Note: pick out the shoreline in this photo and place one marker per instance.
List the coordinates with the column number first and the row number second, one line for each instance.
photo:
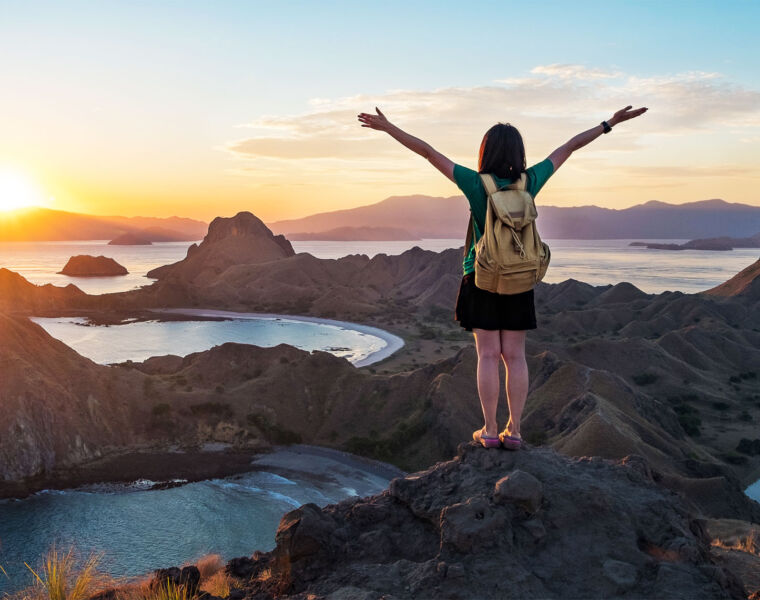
column 125, row 466
column 393, row 342
column 161, row 469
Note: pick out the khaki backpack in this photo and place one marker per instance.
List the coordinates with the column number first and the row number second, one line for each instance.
column 510, row 257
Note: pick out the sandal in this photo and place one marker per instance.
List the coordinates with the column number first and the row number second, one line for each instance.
column 486, row 441
column 510, row 442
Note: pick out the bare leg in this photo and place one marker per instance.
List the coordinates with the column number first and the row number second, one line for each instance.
column 488, row 345
column 513, row 355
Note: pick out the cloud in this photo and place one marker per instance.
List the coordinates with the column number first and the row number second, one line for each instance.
column 565, row 71
column 549, row 105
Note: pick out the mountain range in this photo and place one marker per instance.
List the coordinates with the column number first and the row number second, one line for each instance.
column 44, row 224
column 409, row 218
column 439, row 217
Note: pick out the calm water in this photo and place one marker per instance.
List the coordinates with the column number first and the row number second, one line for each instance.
column 140, row 530
column 138, row 341
column 598, row 262
column 753, row 491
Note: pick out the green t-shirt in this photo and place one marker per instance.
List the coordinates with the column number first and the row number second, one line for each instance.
column 471, row 184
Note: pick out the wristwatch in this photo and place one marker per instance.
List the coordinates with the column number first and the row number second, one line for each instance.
column 607, row 126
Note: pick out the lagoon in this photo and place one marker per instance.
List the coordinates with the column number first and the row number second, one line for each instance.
column 137, row 341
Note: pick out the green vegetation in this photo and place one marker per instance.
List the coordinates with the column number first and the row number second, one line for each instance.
column 390, row 448
column 272, row 431
column 745, row 416
column 688, row 418
column 218, row 409
column 747, row 446
column 734, row 458
column 720, row 405
column 160, row 410
column 645, row 378
column 535, row 437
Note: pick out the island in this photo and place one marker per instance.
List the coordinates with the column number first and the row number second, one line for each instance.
column 84, row 265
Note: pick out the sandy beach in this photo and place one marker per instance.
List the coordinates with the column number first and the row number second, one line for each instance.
column 393, row 342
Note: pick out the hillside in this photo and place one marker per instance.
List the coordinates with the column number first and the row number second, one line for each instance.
column 436, row 217
column 744, row 284
column 614, row 371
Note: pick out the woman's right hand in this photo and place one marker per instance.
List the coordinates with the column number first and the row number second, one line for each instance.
column 626, row 113
column 377, row 121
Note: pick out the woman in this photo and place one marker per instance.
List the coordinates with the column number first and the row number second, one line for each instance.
column 498, row 321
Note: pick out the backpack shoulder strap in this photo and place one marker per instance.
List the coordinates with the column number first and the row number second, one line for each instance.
column 488, row 183
column 468, row 237
column 520, row 184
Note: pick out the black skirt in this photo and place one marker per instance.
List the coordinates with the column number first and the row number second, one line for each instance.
column 480, row 309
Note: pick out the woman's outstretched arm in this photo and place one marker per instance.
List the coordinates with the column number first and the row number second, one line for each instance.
column 562, row 153
column 425, row 150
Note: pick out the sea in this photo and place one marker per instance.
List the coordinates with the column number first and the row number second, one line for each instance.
column 598, row 262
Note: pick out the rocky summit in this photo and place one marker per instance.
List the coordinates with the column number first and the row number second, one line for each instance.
column 242, row 239
column 496, row 524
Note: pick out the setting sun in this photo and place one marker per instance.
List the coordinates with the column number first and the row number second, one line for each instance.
column 17, row 191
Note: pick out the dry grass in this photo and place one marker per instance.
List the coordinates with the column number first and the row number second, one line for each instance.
column 219, row 584
column 167, row 591
column 209, row 565
column 214, row 579
column 60, row 578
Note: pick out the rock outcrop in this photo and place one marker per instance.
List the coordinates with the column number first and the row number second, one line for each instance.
column 239, row 240
column 84, row 265
column 497, row 524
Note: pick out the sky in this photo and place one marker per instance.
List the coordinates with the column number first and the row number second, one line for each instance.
column 207, row 108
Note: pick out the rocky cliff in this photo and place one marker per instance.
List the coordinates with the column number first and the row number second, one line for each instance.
column 57, row 408
column 496, row 524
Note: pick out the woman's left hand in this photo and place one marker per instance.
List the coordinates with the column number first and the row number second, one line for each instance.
column 377, row 121
column 626, row 113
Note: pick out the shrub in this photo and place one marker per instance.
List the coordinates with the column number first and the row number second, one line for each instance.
column 747, row 446
column 734, row 458
column 645, row 378
column 160, row 410
column 720, row 405
column 272, row 431
column 535, row 437
column 745, row 416
column 220, row 409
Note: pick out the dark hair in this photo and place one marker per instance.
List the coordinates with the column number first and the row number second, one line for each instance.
column 502, row 152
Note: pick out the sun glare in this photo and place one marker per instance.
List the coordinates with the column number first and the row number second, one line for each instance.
column 17, row 191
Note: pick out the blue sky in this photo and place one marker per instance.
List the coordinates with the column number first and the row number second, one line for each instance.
column 127, row 106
